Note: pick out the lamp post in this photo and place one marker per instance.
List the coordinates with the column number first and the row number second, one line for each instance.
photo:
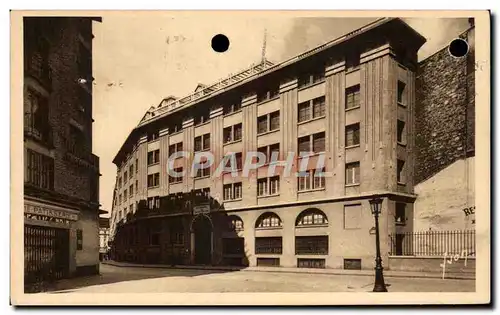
column 376, row 205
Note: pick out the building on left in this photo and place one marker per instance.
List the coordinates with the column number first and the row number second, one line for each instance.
column 61, row 175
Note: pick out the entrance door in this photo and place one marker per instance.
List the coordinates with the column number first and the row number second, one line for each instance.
column 202, row 229
column 46, row 253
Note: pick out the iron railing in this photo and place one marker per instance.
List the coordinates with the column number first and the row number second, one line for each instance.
column 434, row 243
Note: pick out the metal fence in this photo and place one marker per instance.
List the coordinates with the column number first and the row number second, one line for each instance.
column 434, row 243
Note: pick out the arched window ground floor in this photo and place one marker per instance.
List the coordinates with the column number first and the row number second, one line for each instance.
column 336, row 235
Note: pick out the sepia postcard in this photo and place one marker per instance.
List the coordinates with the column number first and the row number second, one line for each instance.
column 250, row 157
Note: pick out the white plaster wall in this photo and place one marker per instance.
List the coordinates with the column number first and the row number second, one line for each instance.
column 442, row 198
column 89, row 255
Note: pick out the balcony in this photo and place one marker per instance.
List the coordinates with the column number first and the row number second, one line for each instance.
column 38, row 68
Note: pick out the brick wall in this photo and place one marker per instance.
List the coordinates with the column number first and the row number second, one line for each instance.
column 443, row 121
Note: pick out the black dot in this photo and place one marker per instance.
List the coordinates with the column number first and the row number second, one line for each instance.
column 220, row 43
column 458, row 48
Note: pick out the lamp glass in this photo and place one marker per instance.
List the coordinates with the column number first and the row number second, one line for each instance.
column 375, row 205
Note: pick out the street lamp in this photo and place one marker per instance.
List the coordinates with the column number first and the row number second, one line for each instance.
column 376, row 205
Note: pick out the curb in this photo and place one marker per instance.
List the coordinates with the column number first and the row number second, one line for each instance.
column 333, row 273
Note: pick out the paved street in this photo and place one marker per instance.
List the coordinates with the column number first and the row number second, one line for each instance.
column 138, row 280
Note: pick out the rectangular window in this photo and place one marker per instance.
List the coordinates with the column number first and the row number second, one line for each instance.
column 352, row 62
column 238, row 130
column 136, row 186
column 174, row 148
column 311, row 179
column 400, row 216
column 131, row 170
column 231, row 108
column 311, row 245
column 152, row 136
column 268, row 245
column 401, row 132
column 352, row 97
column 176, row 179
column 304, row 112
column 311, row 263
column 125, row 194
column 352, row 173
column 153, row 157
column 318, row 107
column 136, row 165
column 125, row 177
column 153, row 180
column 305, row 144
column 202, row 142
column 318, row 142
column 268, row 186
column 274, row 119
column 352, row 264
column 401, row 93
column 233, row 133
column 352, row 135
column 154, row 203
column 268, row 262
column 131, row 191
column 201, row 117
column 203, row 172
column 269, row 150
column 232, row 191
column 311, row 78
column 39, row 170
column 261, row 186
column 269, row 94
column 401, row 172
column 233, row 246
column 262, row 124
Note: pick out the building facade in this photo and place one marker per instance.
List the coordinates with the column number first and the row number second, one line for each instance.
column 61, row 175
column 445, row 123
column 349, row 102
column 103, row 238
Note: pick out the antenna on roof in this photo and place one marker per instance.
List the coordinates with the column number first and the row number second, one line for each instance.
column 263, row 57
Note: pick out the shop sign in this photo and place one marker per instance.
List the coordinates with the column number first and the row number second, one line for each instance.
column 201, row 209
column 44, row 211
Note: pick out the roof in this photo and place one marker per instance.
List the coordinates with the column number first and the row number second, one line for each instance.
column 252, row 72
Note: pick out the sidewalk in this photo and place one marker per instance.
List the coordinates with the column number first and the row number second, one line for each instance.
column 387, row 273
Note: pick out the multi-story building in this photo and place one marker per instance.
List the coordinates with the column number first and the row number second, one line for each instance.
column 61, row 175
column 350, row 102
column 103, row 238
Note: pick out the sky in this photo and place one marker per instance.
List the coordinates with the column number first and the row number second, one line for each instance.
column 140, row 58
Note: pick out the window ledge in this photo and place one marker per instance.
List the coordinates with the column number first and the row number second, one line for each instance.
column 153, row 187
column 173, row 183
column 310, row 120
column 402, row 144
column 153, row 164
column 268, row 100
column 401, row 223
column 232, row 142
column 311, row 226
column 267, row 196
column 232, row 113
column 232, row 200
column 401, row 104
column 268, row 132
column 202, row 177
column 401, row 183
column 175, row 133
column 310, row 155
column 352, row 185
column 350, row 70
column 310, row 190
column 353, row 146
column 269, row 228
column 151, row 141
column 311, row 84
column 352, row 108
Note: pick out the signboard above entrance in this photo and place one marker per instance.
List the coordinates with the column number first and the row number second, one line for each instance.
column 201, row 209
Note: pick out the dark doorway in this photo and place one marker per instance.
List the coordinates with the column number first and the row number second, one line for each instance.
column 202, row 228
column 399, row 244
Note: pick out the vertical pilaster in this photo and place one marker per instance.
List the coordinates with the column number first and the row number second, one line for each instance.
column 288, row 127
column 164, row 185
column 216, row 130
column 249, row 109
column 335, row 128
column 142, row 176
column 188, row 146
